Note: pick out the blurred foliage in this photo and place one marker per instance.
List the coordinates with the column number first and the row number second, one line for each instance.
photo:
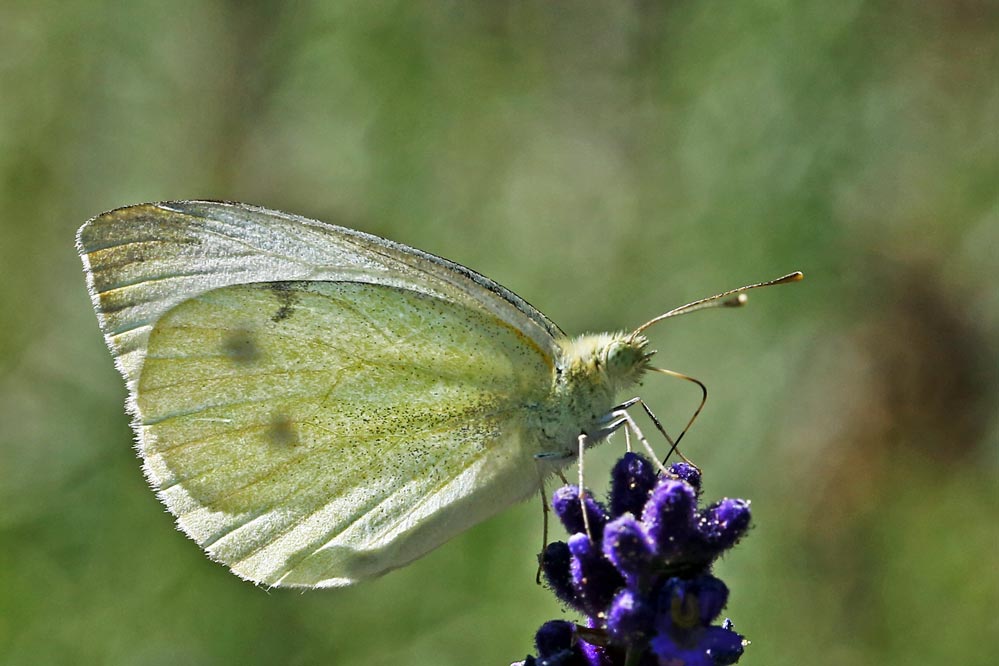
column 607, row 161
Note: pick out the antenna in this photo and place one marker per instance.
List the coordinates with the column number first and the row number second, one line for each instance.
column 732, row 298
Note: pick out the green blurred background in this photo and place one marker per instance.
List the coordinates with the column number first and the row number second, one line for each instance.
column 605, row 160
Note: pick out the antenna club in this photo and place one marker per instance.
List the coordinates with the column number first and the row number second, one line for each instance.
column 736, row 301
column 796, row 276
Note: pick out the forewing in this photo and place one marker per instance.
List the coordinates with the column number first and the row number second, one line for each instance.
column 142, row 260
column 317, row 433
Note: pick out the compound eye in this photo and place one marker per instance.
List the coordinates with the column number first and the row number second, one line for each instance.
column 618, row 355
column 625, row 357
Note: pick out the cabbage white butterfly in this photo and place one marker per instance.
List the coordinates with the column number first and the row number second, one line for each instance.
column 317, row 405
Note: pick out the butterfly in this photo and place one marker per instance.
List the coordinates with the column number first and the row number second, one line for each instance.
column 317, row 406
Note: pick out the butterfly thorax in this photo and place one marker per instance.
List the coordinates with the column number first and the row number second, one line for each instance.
column 591, row 371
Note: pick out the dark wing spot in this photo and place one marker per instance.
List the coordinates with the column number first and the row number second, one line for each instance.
column 282, row 431
column 286, row 297
column 241, row 347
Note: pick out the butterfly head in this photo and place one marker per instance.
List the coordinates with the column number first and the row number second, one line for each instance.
column 612, row 360
column 625, row 359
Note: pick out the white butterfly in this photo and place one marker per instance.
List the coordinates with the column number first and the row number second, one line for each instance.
column 318, row 406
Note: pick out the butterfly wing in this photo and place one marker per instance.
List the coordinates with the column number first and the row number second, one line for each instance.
column 318, row 433
column 142, row 260
column 314, row 433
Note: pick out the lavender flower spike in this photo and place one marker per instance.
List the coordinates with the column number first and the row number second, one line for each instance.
column 643, row 581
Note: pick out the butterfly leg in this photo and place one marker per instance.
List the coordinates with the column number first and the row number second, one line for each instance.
column 582, row 439
column 613, row 425
column 620, row 417
column 544, row 531
column 554, row 455
column 674, row 444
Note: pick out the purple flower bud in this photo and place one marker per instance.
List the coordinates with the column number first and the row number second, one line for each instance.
column 630, row 617
column 712, row 595
column 553, row 637
column 668, row 516
column 678, row 607
column 723, row 645
column 628, row 547
column 566, row 504
column 632, row 480
column 686, row 472
column 555, row 563
column 594, row 577
column 688, row 605
column 671, row 652
column 722, row 524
